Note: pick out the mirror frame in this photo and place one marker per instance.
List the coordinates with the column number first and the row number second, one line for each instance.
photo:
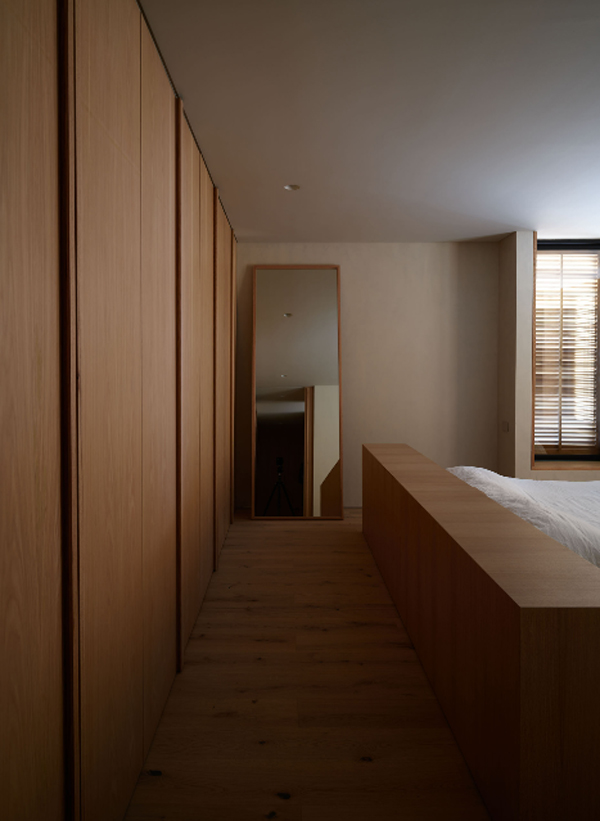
column 326, row 266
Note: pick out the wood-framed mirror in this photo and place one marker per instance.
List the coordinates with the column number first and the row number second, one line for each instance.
column 296, row 393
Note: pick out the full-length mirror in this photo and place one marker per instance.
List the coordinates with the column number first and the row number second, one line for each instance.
column 297, row 445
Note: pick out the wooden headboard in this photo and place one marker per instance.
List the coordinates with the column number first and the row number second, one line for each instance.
column 506, row 622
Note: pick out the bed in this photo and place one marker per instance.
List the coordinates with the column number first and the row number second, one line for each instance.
column 506, row 622
column 566, row 511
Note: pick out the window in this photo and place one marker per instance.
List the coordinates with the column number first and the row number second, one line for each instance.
column 566, row 351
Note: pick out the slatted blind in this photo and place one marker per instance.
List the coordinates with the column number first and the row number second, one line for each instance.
column 566, row 351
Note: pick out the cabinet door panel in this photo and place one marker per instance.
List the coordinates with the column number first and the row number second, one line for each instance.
column 31, row 684
column 207, row 375
column 189, row 386
column 110, row 369
column 159, row 530
column 223, row 386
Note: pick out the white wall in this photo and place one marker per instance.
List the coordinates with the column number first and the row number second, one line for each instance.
column 419, row 349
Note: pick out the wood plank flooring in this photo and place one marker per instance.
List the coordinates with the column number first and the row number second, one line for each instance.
column 302, row 698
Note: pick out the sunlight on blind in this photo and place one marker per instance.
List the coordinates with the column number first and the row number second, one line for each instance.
column 566, row 350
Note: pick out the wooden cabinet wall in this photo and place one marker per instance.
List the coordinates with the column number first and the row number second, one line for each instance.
column 205, row 339
column 31, row 678
column 107, row 401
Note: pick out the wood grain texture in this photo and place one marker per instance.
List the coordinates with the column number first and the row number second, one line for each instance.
column 302, row 697
column 108, row 63
column 159, row 409
column 506, row 623
column 31, row 694
column 189, row 380
column 223, row 374
column 110, row 345
column 207, row 385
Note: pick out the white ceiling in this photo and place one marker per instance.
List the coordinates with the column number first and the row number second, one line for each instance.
column 401, row 120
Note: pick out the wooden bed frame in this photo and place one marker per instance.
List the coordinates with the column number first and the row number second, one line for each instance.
column 506, row 622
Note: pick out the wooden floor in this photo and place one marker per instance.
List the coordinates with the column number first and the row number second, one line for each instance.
column 302, row 697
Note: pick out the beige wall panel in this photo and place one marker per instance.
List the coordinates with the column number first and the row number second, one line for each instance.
column 159, row 413
column 419, row 348
column 31, row 706
column 108, row 270
column 223, row 298
column 507, row 337
column 189, row 408
column 207, row 373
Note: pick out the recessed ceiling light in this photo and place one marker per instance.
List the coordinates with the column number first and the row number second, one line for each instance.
column 291, row 187
column 287, row 315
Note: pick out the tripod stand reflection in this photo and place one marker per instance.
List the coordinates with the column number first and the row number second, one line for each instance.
column 278, row 488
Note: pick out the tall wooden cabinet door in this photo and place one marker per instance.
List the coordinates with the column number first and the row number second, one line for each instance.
column 159, row 389
column 110, row 429
column 189, row 380
column 223, row 296
column 207, row 375
column 31, row 685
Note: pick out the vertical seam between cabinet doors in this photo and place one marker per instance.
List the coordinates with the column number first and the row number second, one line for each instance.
column 215, row 292
column 69, row 407
column 178, row 256
column 141, row 341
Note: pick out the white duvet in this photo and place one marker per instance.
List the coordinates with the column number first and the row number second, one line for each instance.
column 567, row 511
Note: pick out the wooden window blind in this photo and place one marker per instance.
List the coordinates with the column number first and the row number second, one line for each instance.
column 566, row 353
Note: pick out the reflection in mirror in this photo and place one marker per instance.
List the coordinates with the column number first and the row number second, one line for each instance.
column 297, row 434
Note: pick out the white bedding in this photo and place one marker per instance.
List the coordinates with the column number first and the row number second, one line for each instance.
column 567, row 511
